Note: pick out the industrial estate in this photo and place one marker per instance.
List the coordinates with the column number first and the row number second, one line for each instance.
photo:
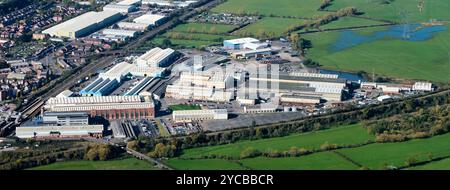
column 225, row 84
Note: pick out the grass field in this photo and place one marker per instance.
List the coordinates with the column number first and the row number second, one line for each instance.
column 318, row 161
column 345, row 135
column 399, row 10
column 426, row 60
column 299, row 8
column 206, row 28
column 437, row 165
column 185, row 107
column 203, row 164
column 213, row 38
column 270, row 25
column 122, row 164
column 375, row 156
column 183, row 43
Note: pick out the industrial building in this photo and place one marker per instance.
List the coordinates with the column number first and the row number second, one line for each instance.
column 139, row 86
column 246, row 54
column 199, row 115
column 328, row 89
column 110, row 80
column 299, row 99
column 109, row 107
column 60, row 125
column 150, row 19
column 119, row 8
column 84, row 24
column 168, row 3
column 423, row 86
column 185, row 91
column 236, row 44
column 132, row 26
column 118, row 32
column 156, row 57
column 313, row 75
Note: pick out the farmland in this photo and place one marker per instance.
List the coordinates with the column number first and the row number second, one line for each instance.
column 425, row 59
column 269, row 27
column 318, row 161
column 345, row 135
column 120, row 164
column 398, row 10
column 203, row 164
column 437, row 165
column 280, row 8
column 376, row 156
column 206, row 28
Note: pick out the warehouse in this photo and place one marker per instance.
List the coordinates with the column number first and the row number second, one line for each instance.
column 60, row 125
column 423, row 86
column 168, row 3
column 130, row 2
column 56, row 131
column 236, row 44
column 185, row 91
column 108, row 107
column 117, row 32
column 300, row 99
column 150, row 19
column 84, row 24
column 199, row 115
column 139, row 86
column 208, row 79
column 132, row 26
column 124, row 9
column 100, row 87
column 246, row 54
column 157, row 57
column 314, row 75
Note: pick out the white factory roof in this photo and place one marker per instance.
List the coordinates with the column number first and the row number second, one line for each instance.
column 200, row 112
column 242, row 40
column 156, row 55
column 132, row 25
column 81, row 22
column 65, row 94
column 314, row 75
column 148, row 19
column 117, row 71
column 129, row 2
column 93, row 99
column 119, row 32
column 43, row 131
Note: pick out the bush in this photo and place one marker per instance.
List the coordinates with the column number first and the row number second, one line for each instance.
column 250, row 152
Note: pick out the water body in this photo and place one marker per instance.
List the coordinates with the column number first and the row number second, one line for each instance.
column 349, row 38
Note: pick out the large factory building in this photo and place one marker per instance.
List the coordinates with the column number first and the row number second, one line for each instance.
column 84, row 24
column 109, row 107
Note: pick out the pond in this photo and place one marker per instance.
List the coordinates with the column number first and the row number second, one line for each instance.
column 407, row 32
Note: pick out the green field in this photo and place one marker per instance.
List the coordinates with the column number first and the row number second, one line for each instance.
column 437, row 165
column 206, row 28
column 185, row 107
column 213, row 38
column 375, row 156
column 270, row 26
column 203, row 164
column 426, row 60
column 183, row 43
column 345, row 135
column 399, row 10
column 298, row 8
column 122, row 164
column 347, row 22
column 318, row 161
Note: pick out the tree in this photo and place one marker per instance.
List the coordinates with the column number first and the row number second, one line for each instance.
column 166, row 43
column 249, row 152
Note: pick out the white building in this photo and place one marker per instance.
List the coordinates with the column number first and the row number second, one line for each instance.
column 384, row 98
column 119, row 8
column 235, row 44
column 65, row 94
column 150, row 19
column 84, row 24
column 156, row 57
column 59, row 131
column 199, row 115
column 423, row 86
column 129, row 2
column 132, row 26
column 117, row 32
column 314, row 75
column 168, row 3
